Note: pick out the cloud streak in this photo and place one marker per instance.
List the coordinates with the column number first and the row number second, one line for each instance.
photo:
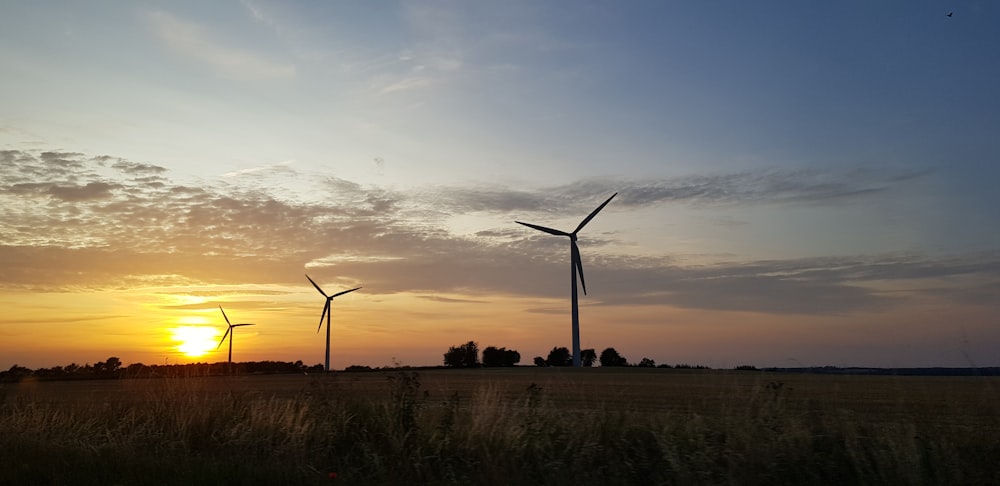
column 194, row 42
column 809, row 187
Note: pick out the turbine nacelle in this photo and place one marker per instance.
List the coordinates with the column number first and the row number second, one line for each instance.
column 329, row 299
column 575, row 259
column 230, row 328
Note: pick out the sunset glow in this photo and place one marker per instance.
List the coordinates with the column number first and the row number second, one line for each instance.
column 195, row 341
column 808, row 184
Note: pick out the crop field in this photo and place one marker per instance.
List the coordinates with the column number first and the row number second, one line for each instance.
column 504, row 426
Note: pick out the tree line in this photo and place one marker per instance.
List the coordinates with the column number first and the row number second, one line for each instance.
column 467, row 356
column 113, row 368
column 462, row 356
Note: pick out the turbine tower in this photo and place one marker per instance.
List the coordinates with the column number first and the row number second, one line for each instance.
column 229, row 332
column 576, row 265
column 326, row 313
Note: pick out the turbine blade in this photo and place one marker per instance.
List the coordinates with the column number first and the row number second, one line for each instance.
column 579, row 266
column 244, row 324
column 594, row 213
column 547, row 230
column 326, row 308
column 230, row 328
column 344, row 292
column 224, row 315
column 317, row 287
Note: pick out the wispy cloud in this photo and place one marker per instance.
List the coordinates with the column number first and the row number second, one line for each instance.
column 195, row 41
column 406, row 84
column 67, row 193
column 280, row 167
column 770, row 186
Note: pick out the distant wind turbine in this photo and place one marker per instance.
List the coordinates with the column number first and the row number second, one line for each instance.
column 576, row 265
column 326, row 313
column 229, row 332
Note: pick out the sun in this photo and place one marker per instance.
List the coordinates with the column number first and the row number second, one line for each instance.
column 195, row 341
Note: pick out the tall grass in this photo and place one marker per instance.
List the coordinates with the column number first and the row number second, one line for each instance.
column 181, row 432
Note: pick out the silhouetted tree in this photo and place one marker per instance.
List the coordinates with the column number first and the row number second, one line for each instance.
column 559, row 357
column 464, row 356
column 137, row 369
column 493, row 356
column 15, row 373
column 85, row 370
column 54, row 372
column 112, row 365
column 588, row 357
column 540, row 361
column 610, row 357
column 646, row 363
column 685, row 366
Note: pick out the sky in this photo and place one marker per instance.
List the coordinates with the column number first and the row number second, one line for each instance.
column 799, row 183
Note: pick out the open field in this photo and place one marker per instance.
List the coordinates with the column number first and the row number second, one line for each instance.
column 505, row 426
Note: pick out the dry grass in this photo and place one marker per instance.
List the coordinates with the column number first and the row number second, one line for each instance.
column 511, row 426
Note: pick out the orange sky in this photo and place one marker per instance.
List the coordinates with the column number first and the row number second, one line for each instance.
column 138, row 325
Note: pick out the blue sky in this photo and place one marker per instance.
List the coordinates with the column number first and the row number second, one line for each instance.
column 831, row 165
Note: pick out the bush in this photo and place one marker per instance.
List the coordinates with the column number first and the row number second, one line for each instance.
column 493, row 356
column 464, row 356
column 610, row 357
column 559, row 357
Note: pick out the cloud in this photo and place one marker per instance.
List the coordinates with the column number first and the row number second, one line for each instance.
column 67, row 224
column 407, row 84
column 136, row 168
column 451, row 300
column 812, row 187
column 92, row 190
column 280, row 167
column 771, row 186
column 192, row 40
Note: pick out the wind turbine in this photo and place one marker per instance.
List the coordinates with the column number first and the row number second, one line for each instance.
column 326, row 313
column 229, row 332
column 576, row 265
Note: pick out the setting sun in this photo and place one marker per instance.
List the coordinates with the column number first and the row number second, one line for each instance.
column 195, row 341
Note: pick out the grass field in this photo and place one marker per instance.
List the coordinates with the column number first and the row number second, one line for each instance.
column 504, row 426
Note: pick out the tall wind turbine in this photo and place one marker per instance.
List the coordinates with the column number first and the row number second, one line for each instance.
column 326, row 313
column 229, row 332
column 576, row 265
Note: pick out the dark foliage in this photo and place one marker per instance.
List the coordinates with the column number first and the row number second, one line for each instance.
column 610, row 357
column 559, row 357
column 493, row 356
column 464, row 356
column 112, row 368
